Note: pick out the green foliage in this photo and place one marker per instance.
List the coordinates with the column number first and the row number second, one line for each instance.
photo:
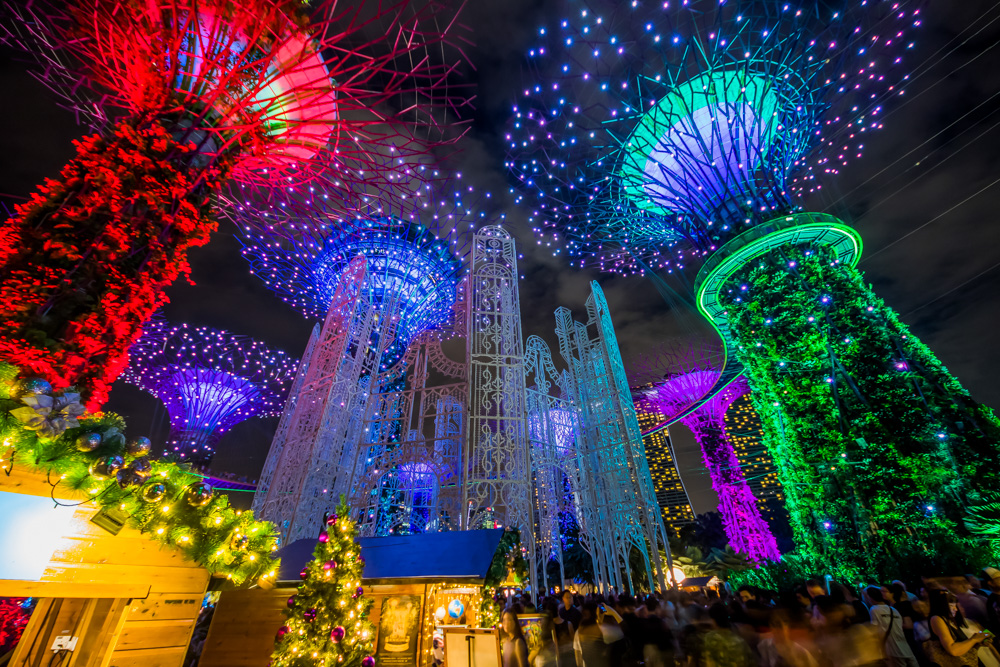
column 507, row 558
column 329, row 597
column 783, row 576
column 224, row 541
column 878, row 446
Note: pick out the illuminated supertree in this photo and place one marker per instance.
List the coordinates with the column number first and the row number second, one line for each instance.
column 675, row 377
column 657, row 134
column 411, row 273
column 189, row 99
column 209, row 381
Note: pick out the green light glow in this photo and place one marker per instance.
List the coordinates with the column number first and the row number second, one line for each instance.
column 681, row 132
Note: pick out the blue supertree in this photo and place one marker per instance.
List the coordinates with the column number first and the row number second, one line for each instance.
column 660, row 136
column 209, row 381
column 413, row 263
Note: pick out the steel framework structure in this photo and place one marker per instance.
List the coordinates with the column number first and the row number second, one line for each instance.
column 552, row 426
column 496, row 463
column 302, row 476
column 619, row 509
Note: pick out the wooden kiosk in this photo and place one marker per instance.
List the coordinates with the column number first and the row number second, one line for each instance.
column 419, row 583
column 119, row 600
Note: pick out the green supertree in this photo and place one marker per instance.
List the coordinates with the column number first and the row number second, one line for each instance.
column 327, row 619
column 889, row 450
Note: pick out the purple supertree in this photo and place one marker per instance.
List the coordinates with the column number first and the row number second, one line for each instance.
column 675, row 378
column 209, row 381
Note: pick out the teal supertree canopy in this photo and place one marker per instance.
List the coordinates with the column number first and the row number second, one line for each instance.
column 649, row 134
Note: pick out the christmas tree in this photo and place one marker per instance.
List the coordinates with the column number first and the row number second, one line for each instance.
column 327, row 620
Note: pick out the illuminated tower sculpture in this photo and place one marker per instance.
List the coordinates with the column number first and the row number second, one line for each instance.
column 209, row 381
column 381, row 284
column 552, row 425
column 496, row 462
column 676, row 376
column 187, row 98
column 661, row 135
column 619, row 508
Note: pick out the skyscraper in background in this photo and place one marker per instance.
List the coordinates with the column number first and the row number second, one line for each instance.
column 747, row 436
column 672, row 497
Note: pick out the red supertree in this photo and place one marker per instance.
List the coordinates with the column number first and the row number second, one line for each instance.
column 189, row 97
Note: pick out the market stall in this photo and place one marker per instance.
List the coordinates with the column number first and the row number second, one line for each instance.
column 103, row 597
column 421, row 585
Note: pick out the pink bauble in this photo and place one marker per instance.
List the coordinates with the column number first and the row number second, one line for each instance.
column 368, row 661
column 332, row 519
column 282, row 631
column 291, row 601
column 323, row 537
column 304, row 573
column 337, row 634
column 329, row 565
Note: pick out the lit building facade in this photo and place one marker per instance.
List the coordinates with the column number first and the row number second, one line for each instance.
column 746, row 433
column 671, row 495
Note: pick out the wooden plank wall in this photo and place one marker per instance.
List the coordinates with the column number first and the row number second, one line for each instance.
column 244, row 626
column 155, row 630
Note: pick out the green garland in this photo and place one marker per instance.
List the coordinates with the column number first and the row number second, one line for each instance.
column 507, row 557
column 881, row 449
column 162, row 499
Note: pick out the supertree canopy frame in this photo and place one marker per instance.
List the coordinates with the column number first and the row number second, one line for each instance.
column 413, row 263
column 651, row 133
column 189, row 97
column 675, row 377
column 689, row 128
column 209, row 381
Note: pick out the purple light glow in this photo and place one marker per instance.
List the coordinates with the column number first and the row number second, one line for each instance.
column 676, row 377
column 209, row 381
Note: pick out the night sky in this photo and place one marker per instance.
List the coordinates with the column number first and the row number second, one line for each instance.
column 925, row 197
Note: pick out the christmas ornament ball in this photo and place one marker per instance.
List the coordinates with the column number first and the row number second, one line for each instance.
column 329, row 565
column 337, row 634
column 140, row 446
column 359, row 591
column 282, row 631
column 141, row 467
column 198, row 494
column 106, row 467
column 323, row 537
column 304, row 573
column 332, row 519
column 309, row 614
column 368, row 661
column 291, row 602
column 32, row 387
column 88, row 442
column 154, row 492
column 456, row 608
column 126, row 477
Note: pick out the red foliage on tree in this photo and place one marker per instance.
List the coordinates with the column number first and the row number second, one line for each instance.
column 86, row 260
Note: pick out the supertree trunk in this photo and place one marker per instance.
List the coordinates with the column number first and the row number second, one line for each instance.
column 882, row 449
column 86, row 260
column 747, row 531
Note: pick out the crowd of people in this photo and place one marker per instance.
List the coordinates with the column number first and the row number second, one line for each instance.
column 933, row 623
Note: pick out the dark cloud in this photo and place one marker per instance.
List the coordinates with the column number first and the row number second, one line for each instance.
column 919, row 276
